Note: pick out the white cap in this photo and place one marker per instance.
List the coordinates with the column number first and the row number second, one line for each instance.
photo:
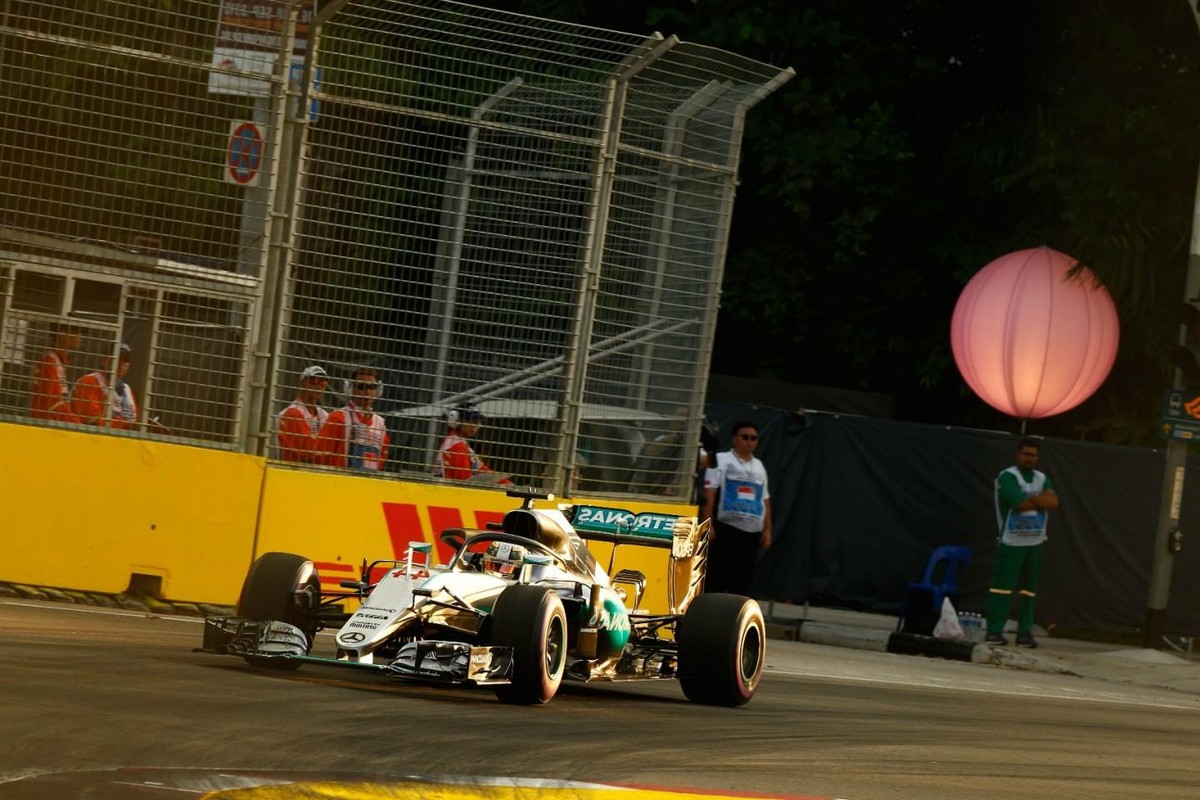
column 314, row 372
column 124, row 353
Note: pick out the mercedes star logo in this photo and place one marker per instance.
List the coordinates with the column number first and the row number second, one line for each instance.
column 354, row 637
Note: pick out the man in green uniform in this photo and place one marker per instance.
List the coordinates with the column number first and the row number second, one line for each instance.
column 1024, row 496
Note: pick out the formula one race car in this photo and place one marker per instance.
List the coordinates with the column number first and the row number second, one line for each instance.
column 519, row 607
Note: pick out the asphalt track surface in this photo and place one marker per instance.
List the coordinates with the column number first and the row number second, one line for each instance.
column 114, row 705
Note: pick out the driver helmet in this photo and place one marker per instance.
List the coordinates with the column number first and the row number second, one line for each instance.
column 503, row 559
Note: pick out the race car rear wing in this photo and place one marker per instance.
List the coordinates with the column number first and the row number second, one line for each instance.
column 623, row 527
column 687, row 541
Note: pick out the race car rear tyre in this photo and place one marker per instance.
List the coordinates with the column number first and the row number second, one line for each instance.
column 722, row 649
column 531, row 620
column 282, row 587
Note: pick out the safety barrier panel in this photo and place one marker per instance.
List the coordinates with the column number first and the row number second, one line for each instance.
column 184, row 523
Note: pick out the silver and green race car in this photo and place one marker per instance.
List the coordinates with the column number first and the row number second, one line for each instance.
column 520, row 607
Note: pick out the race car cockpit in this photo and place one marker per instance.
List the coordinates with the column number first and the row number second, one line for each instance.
column 503, row 559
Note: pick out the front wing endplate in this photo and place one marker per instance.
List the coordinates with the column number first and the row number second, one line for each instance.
column 251, row 637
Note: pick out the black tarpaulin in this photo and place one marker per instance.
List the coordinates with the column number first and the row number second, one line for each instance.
column 860, row 503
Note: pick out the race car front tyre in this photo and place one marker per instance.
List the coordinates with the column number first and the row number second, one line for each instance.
column 283, row 587
column 531, row 620
column 722, row 649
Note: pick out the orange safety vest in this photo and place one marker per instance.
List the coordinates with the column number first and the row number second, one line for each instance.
column 92, row 394
column 350, row 438
column 50, row 392
column 297, row 431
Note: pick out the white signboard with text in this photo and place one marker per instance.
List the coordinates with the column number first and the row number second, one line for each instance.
column 249, row 35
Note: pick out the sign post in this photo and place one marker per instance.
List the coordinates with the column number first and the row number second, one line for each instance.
column 1167, row 536
column 1166, row 539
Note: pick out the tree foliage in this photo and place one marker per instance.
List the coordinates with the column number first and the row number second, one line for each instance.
column 1107, row 165
column 920, row 140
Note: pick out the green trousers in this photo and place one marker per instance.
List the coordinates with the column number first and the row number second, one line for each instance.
column 1013, row 564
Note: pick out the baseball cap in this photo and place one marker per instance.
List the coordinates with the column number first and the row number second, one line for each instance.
column 124, row 353
column 468, row 415
column 314, row 372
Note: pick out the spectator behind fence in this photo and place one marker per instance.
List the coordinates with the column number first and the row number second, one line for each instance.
column 456, row 459
column 738, row 501
column 355, row 436
column 94, row 392
column 300, row 423
column 50, row 393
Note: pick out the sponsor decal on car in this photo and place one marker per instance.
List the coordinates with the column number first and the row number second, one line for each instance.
column 616, row 520
column 613, row 616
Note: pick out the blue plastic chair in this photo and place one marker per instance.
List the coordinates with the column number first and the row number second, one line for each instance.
column 946, row 566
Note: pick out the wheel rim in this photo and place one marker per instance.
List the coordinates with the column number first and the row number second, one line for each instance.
column 555, row 645
column 751, row 655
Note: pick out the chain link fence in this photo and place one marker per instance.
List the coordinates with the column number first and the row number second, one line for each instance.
column 456, row 213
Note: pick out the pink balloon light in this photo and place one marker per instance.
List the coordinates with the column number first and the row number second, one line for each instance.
column 1029, row 340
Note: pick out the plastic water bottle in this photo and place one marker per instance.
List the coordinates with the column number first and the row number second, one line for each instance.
column 972, row 626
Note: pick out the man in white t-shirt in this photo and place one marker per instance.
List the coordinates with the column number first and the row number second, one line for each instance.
column 738, row 501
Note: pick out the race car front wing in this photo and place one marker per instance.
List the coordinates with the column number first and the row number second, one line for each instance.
column 452, row 662
column 249, row 637
column 423, row 660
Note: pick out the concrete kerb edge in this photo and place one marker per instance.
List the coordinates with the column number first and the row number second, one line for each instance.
column 909, row 644
column 880, row 641
column 1005, row 657
column 918, row 645
column 845, row 636
column 130, row 602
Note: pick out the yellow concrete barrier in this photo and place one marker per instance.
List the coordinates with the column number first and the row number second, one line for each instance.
column 89, row 511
